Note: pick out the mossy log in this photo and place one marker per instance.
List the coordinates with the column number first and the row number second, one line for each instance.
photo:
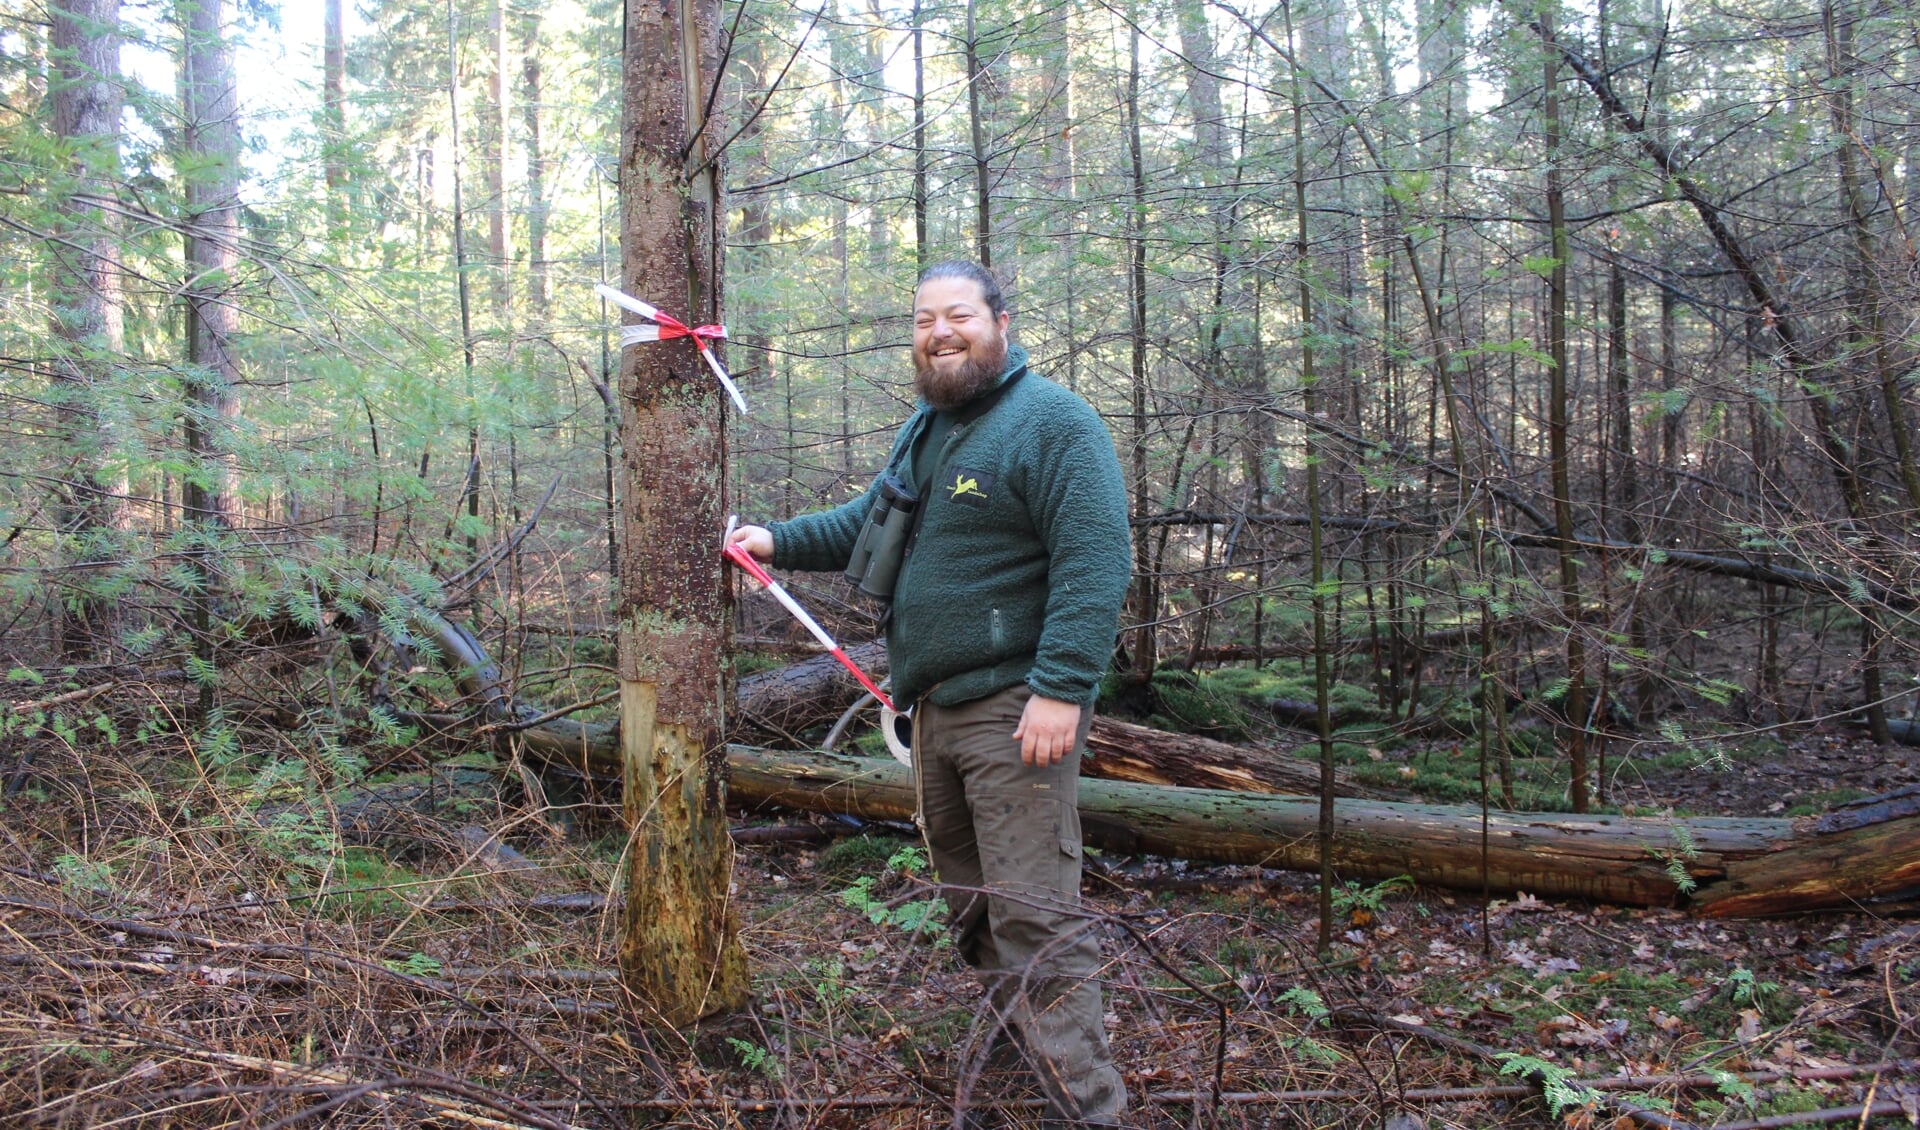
column 1867, row 853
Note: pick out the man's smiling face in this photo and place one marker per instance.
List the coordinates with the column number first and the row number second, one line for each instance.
column 959, row 344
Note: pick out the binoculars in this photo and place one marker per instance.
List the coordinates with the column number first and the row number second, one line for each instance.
column 882, row 544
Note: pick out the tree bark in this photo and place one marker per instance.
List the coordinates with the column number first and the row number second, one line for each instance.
column 679, row 957
column 531, row 90
column 1143, row 598
column 921, row 248
column 210, row 142
column 210, row 157
column 493, row 165
column 333, row 101
column 1570, row 602
column 977, row 139
column 88, row 311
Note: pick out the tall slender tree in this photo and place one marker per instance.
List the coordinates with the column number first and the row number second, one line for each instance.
column 532, row 120
column 1557, row 426
column 210, row 160
column 679, row 958
column 333, row 87
column 87, row 302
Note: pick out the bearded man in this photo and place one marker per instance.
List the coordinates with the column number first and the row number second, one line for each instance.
column 1002, row 623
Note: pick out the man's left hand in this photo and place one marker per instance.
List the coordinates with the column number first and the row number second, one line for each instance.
column 1046, row 731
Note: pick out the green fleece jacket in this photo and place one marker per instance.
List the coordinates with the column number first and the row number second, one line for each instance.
column 1022, row 557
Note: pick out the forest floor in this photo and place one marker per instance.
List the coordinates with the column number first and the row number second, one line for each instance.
column 191, row 939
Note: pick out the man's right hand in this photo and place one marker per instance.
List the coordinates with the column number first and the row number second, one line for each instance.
column 757, row 540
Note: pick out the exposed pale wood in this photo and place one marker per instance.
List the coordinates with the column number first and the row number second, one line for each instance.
column 680, row 958
column 1866, row 850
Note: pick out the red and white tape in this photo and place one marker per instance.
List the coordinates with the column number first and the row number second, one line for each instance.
column 666, row 327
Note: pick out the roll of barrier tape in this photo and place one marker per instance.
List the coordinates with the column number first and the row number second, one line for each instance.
column 897, row 728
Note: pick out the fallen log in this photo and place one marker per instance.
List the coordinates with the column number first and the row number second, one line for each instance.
column 814, row 692
column 1118, row 751
column 1122, row 751
column 1866, row 854
column 807, row 694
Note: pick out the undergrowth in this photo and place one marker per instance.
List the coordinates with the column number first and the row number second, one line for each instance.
column 208, row 927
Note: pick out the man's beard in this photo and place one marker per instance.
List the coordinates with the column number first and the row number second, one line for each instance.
column 976, row 375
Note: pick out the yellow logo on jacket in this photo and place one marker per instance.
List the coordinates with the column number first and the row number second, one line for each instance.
column 972, row 488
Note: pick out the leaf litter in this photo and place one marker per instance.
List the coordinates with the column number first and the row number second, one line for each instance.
column 188, row 971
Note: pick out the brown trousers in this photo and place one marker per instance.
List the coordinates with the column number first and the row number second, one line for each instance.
column 1012, row 831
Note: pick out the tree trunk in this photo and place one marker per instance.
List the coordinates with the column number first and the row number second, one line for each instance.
column 977, row 138
column 493, row 164
column 531, row 88
column 1867, row 851
column 1576, row 692
column 921, row 248
column 1316, row 552
column 210, row 148
column 333, row 88
column 210, row 141
column 471, row 491
column 88, row 313
column 679, row 957
column 1143, row 598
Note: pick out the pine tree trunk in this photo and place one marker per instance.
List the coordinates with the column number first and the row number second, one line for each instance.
column 210, row 138
column 88, row 315
column 333, row 88
column 679, row 956
column 531, row 88
column 1576, row 692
